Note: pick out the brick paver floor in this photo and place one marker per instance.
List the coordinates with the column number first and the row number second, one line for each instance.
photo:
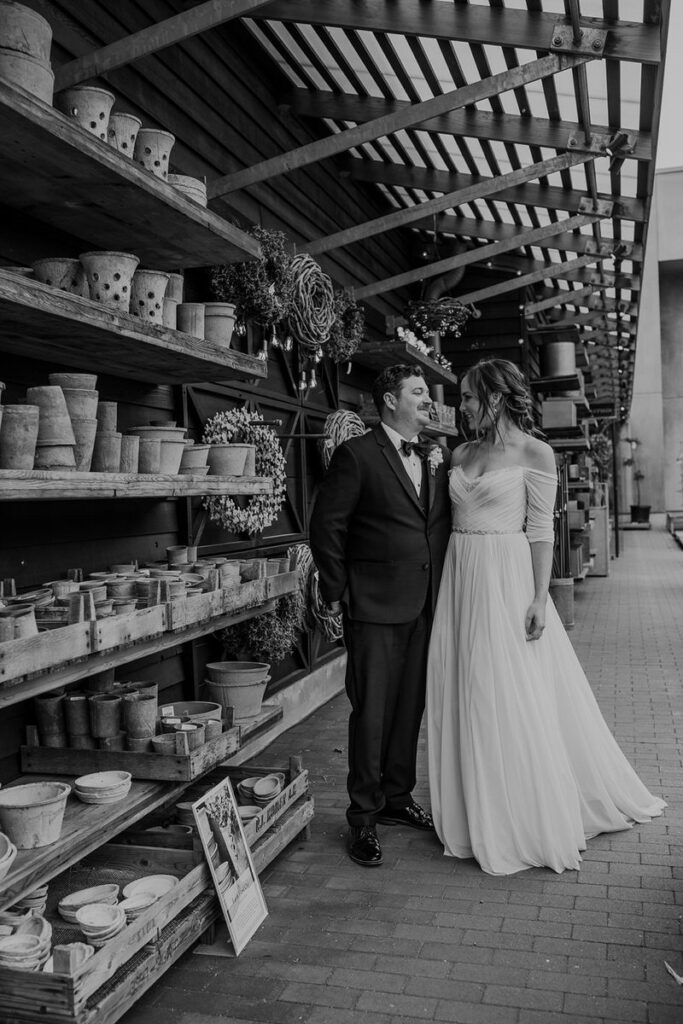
column 428, row 938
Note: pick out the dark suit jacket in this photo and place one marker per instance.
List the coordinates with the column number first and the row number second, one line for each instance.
column 376, row 549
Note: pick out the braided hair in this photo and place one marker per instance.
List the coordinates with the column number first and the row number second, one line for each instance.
column 491, row 378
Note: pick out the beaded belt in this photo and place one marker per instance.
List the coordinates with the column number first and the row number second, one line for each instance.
column 496, row 533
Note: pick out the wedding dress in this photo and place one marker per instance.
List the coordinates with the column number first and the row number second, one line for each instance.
column 522, row 766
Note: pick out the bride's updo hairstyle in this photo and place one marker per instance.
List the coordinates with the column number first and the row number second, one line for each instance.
column 502, row 390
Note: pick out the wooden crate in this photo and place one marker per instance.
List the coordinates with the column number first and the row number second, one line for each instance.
column 34, row 654
column 123, row 630
column 185, row 612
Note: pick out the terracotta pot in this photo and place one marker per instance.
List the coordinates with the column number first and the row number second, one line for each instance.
column 77, row 714
column 88, row 106
column 81, row 404
column 147, row 295
column 35, row 76
column 244, row 698
column 25, row 30
column 106, row 456
column 122, row 132
column 117, row 742
column 18, row 436
column 130, row 453
column 84, row 432
column 219, row 322
column 153, row 149
column 55, row 457
column 105, row 715
column 174, row 291
column 32, row 814
column 86, row 381
column 558, row 359
column 191, row 318
column 171, row 454
column 64, row 273
column 250, row 457
column 140, row 715
column 169, row 317
column 125, row 588
column 49, row 709
column 149, row 459
column 109, row 277
column 82, row 742
column 141, row 745
column 192, row 188
column 102, row 682
column 226, row 459
column 54, row 426
column 194, row 455
column 195, row 732
column 107, row 413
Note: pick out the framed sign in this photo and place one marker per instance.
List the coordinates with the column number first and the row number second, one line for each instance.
column 229, row 859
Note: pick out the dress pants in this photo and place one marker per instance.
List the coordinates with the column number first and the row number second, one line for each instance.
column 385, row 683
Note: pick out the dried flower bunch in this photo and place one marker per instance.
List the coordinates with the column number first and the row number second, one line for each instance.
column 347, row 329
column 445, row 316
column 268, row 637
column 261, row 510
column 261, row 289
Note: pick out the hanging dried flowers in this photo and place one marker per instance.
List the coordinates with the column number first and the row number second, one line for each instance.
column 261, row 289
column 261, row 510
column 347, row 329
column 311, row 314
column 445, row 316
column 269, row 637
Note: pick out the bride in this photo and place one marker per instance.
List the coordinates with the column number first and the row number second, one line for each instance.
column 522, row 766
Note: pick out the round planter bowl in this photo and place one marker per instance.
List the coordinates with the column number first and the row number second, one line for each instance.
column 164, row 744
column 88, row 106
column 25, row 31
column 244, row 698
column 237, row 671
column 32, row 815
column 193, row 188
column 194, row 455
column 35, row 76
column 122, row 132
column 61, row 272
column 193, row 710
column 110, row 275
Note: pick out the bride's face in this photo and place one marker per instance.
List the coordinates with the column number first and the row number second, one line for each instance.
column 470, row 408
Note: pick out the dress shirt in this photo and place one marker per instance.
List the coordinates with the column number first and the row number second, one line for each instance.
column 412, row 462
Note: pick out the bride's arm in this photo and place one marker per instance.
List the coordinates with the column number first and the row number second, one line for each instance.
column 541, row 484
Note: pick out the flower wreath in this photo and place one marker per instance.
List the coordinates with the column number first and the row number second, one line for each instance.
column 348, row 327
column 445, row 315
column 261, row 510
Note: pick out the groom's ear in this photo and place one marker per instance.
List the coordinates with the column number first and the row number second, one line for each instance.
column 389, row 400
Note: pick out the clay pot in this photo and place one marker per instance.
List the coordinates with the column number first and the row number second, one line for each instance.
column 18, row 436
column 125, row 588
column 86, row 381
column 23, row 620
column 141, row 745
column 54, row 426
column 21, row 69
column 250, row 457
column 169, row 315
column 140, row 715
column 106, row 416
column 195, row 732
column 64, row 273
column 105, row 715
column 32, row 814
column 77, row 714
column 193, row 188
column 84, row 432
column 194, row 455
column 153, row 149
column 82, row 742
column 109, row 277
column 558, row 359
column 171, row 454
column 130, row 453
column 106, row 456
column 191, row 318
column 147, row 295
column 174, row 291
column 49, row 709
column 226, row 459
column 55, row 457
column 149, row 460
column 81, row 404
column 88, row 106
column 24, row 30
column 102, row 682
column 122, row 132
column 117, row 742
column 219, row 322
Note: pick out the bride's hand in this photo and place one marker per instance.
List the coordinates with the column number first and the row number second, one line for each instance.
column 534, row 623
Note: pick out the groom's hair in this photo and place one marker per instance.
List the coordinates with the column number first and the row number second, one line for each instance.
column 391, row 380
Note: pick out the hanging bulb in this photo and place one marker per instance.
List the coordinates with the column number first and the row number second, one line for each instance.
column 318, row 355
column 240, row 328
column 348, row 366
column 314, row 382
column 302, row 381
column 289, row 343
column 262, row 354
column 274, row 340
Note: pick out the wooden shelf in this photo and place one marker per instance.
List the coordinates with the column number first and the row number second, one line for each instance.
column 47, row 485
column 377, row 355
column 551, row 385
column 440, row 430
column 58, row 173
column 41, row 322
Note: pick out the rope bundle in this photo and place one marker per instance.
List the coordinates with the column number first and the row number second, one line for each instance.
column 339, row 426
column 330, row 625
column 312, row 311
column 301, row 559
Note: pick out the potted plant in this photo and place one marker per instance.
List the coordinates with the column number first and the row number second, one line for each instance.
column 639, row 513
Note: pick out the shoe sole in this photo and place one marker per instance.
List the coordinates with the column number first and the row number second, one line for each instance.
column 366, row 863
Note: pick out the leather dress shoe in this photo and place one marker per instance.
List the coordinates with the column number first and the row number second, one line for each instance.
column 364, row 846
column 412, row 815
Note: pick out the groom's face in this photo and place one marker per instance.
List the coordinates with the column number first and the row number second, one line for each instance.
column 412, row 405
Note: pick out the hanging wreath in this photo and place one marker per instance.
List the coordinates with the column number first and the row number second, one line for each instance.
column 262, row 288
column 339, row 426
column 347, row 329
column 445, row 316
column 261, row 510
column 329, row 623
column 301, row 559
column 311, row 314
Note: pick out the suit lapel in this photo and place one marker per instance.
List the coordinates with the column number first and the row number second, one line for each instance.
column 394, row 460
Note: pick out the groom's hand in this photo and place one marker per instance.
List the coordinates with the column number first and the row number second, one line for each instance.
column 335, row 607
column 534, row 623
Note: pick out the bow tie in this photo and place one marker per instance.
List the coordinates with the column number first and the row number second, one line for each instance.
column 421, row 448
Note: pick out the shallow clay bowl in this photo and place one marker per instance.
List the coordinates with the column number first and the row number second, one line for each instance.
column 98, row 782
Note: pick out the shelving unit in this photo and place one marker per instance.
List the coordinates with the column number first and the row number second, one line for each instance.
column 48, row 485
column 45, row 323
column 378, row 355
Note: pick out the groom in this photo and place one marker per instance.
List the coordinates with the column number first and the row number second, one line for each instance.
column 378, row 533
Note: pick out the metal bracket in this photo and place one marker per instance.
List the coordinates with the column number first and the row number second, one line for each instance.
column 597, row 207
column 591, row 42
column 597, row 143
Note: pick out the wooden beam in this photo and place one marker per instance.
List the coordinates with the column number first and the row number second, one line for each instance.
column 474, row 124
column 530, row 237
column 157, row 37
column 549, row 197
column 471, row 24
column 409, row 214
column 548, row 272
column 572, row 298
column 412, row 114
column 515, row 264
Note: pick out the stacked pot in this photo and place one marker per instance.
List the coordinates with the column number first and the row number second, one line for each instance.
column 55, row 443
column 25, row 51
column 124, row 716
column 81, row 401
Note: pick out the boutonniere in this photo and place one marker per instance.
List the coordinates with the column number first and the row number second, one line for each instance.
column 435, row 458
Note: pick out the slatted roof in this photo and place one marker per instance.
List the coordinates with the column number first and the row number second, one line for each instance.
column 547, row 168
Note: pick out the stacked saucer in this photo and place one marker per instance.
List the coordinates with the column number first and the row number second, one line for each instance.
column 134, row 905
column 40, row 928
column 22, row 952
column 267, row 788
column 34, row 902
column 103, row 787
column 8, row 852
column 100, row 922
column 69, row 906
column 245, row 789
column 150, row 885
column 248, row 811
column 184, row 815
